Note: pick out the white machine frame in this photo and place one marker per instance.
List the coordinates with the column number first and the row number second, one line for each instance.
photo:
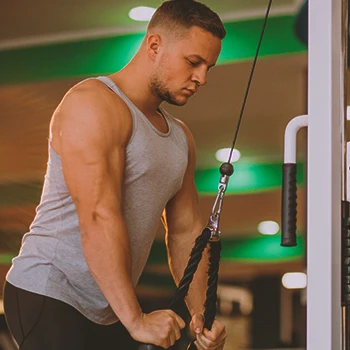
column 325, row 174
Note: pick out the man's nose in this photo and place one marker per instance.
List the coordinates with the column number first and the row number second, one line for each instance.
column 200, row 77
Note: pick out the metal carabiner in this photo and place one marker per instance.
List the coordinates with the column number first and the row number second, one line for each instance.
column 213, row 224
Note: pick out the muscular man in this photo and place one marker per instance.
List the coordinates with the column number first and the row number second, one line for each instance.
column 117, row 163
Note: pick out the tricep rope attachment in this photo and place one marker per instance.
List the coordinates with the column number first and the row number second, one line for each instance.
column 210, row 237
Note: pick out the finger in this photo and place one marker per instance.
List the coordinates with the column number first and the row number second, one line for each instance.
column 177, row 318
column 215, row 336
column 197, row 323
column 206, row 343
column 169, row 330
column 180, row 321
column 219, row 346
column 177, row 333
column 200, row 344
column 216, row 331
column 172, row 339
column 169, row 340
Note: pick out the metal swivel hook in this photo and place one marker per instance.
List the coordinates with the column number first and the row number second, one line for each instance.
column 213, row 223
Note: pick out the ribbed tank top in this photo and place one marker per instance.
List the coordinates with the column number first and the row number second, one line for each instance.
column 51, row 260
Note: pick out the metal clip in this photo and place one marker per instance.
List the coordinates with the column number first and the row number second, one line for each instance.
column 223, row 182
column 213, row 223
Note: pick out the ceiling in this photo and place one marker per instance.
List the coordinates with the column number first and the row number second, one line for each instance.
column 47, row 21
column 278, row 93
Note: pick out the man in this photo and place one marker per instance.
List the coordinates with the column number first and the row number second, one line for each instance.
column 117, row 163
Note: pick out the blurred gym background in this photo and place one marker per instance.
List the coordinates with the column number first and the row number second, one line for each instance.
column 47, row 47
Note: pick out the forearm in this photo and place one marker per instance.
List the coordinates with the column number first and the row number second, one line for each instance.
column 179, row 249
column 107, row 252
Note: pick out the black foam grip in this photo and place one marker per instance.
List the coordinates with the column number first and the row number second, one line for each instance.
column 345, row 254
column 289, row 205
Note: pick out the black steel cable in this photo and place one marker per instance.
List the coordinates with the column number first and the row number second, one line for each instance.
column 250, row 81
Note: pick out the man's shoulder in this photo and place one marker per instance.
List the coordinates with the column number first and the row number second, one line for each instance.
column 92, row 97
column 96, row 92
column 91, row 105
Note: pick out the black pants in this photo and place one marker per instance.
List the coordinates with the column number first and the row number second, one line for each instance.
column 41, row 323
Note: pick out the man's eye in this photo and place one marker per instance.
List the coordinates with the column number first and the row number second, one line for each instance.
column 192, row 63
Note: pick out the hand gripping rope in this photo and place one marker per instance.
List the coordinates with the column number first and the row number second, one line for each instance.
column 210, row 236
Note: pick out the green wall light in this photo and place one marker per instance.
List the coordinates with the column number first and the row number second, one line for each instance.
column 247, row 178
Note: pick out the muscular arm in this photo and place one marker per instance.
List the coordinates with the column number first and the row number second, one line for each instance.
column 92, row 147
column 94, row 129
column 183, row 224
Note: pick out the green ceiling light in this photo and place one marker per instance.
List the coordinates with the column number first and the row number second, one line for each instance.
column 261, row 249
column 142, row 13
column 247, row 178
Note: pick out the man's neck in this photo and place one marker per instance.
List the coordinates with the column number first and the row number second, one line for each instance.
column 135, row 85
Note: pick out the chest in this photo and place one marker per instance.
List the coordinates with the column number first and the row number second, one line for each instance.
column 156, row 163
column 159, row 122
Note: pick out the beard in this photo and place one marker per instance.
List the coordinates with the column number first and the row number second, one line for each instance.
column 159, row 90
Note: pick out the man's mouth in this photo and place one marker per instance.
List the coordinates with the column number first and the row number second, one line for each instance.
column 190, row 91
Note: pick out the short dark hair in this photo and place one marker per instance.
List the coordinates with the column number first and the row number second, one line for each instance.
column 173, row 14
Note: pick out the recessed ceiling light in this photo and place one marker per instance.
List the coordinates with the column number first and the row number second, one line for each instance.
column 268, row 227
column 223, row 154
column 142, row 13
column 294, row 280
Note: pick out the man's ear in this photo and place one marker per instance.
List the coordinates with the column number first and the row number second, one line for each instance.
column 153, row 45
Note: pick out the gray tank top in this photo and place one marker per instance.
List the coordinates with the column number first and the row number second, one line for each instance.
column 51, row 260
